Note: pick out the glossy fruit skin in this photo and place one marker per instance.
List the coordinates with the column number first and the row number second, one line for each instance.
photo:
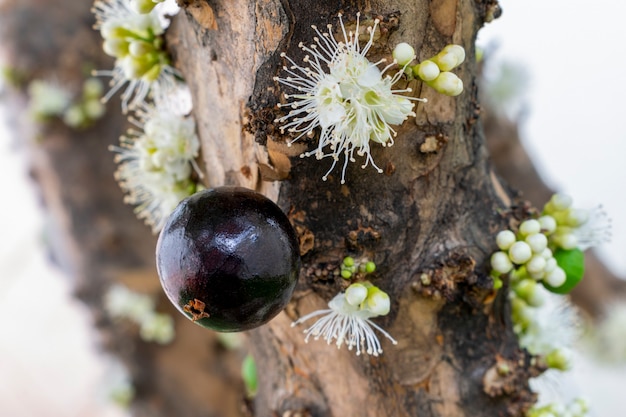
column 233, row 251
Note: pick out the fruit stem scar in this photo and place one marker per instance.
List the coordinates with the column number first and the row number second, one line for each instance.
column 196, row 309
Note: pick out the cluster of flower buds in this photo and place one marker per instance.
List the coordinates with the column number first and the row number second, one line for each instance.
column 135, row 41
column 572, row 228
column 156, row 164
column 350, row 266
column 121, row 302
column 527, row 254
column 347, row 320
column 434, row 71
column 88, row 108
column 579, row 407
column 49, row 100
column 545, row 256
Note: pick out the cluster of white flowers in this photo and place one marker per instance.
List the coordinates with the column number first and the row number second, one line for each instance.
column 576, row 228
column 134, row 40
column 121, row 302
column 49, row 99
column 435, row 71
column 576, row 408
column 547, row 324
column 347, row 320
column 545, row 254
column 347, row 96
column 156, row 163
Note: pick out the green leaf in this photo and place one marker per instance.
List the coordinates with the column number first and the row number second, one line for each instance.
column 249, row 375
column 573, row 263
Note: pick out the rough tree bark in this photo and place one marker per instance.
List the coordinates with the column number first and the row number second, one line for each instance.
column 428, row 221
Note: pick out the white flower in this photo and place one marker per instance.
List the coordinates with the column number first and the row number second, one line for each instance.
column 344, row 94
column 155, row 164
column 121, row 302
column 135, row 41
column 349, row 324
column 47, row 99
column 553, row 325
column 157, row 328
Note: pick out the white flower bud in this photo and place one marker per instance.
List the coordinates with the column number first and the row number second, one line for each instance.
column 538, row 276
column 450, row 57
column 428, row 70
column 530, row 227
column 356, row 294
column 520, row 253
column 501, row 263
column 556, row 278
column 536, row 264
column 537, row 242
column 561, row 201
column 378, row 302
column 448, row 83
column 403, row 53
column 548, row 224
column 505, row 239
column 560, row 359
column 546, row 253
column 566, row 241
column 551, row 264
column 577, row 217
column 538, row 296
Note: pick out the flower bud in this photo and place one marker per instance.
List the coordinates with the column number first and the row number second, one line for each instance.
column 577, row 217
column 530, row 227
column 548, row 224
column 356, row 294
column 520, row 253
column 561, row 201
column 536, row 264
column 426, row 70
column 501, row 263
column 505, row 239
column 556, row 278
column 560, row 359
column 450, row 57
column 537, row 242
column 448, row 83
column 403, row 53
column 378, row 301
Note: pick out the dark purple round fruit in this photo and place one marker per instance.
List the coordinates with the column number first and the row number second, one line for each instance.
column 228, row 259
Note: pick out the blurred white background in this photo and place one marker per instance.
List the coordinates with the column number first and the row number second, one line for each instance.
column 572, row 53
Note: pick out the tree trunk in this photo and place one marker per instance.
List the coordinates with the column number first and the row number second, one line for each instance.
column 428, row 221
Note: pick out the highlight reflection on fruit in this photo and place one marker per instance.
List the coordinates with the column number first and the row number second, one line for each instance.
column 228, row 259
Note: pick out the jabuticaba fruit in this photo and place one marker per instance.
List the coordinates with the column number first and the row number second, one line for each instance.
column 228, row 259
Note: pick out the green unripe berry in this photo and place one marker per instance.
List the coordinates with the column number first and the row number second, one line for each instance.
column 370, row 267
column 348, row 261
